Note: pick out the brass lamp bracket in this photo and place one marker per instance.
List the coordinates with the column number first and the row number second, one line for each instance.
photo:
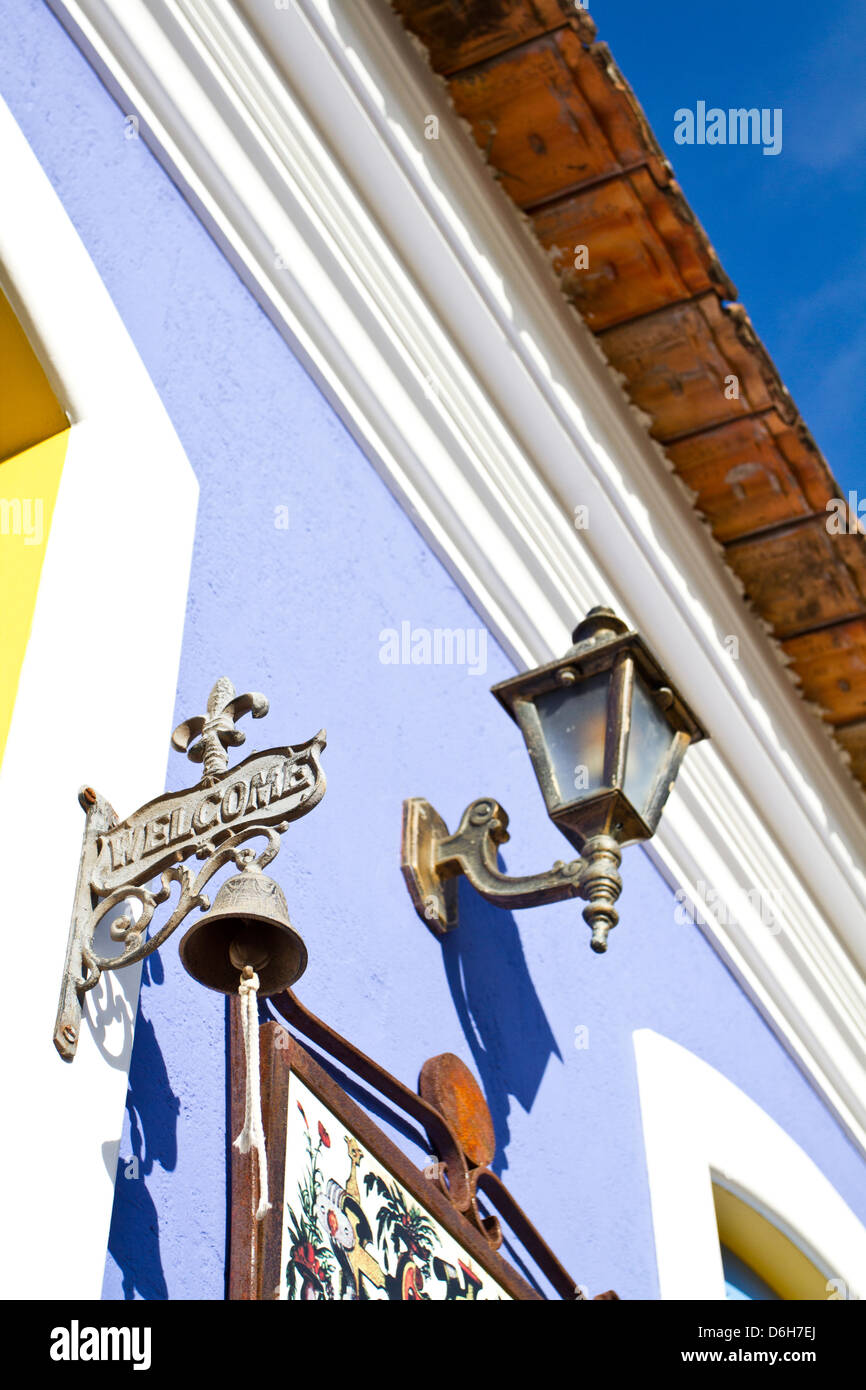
column 432, row 860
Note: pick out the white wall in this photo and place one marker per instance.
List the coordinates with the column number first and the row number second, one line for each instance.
column 697, row 1123
column 94, row 706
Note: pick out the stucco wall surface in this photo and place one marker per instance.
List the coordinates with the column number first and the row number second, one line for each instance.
column 297, row 612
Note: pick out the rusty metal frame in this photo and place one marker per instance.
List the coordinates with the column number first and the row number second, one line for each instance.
column 449, row 1192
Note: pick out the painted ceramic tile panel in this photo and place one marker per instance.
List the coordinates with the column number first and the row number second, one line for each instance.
column 352, row 1231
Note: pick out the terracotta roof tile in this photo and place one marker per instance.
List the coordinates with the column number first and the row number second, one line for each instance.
column 566, row 137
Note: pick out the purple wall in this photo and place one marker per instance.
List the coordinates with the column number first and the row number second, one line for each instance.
column 297, row 614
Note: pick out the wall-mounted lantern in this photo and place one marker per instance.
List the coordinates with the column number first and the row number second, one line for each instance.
column 606, row 732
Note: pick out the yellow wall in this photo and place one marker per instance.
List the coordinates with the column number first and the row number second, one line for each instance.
column 764, row 1248
column 29, row 411
column 34, row 433
column 28, row 491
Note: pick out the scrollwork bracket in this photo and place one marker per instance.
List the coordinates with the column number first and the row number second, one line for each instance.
column 140, row 859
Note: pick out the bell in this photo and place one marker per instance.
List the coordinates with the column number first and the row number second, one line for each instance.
column 247, row 925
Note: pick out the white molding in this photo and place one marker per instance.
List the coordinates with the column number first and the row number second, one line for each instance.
column 390, row 262
column 94, row 705
column 699, row 1127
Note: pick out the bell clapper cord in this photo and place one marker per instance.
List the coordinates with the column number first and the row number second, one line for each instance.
column 247, row 952
column 246, row 944
column 252, row 1136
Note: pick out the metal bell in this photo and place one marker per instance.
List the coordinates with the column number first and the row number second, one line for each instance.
column 247, row 925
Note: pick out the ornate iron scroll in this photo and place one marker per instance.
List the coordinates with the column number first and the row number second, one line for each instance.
column 213, row 821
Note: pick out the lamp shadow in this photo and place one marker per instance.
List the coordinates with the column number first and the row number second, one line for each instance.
column 499, row 1011
column 153, row 1110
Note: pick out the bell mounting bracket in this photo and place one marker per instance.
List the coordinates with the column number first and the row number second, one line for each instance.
column 432, row 860
column 137, row 861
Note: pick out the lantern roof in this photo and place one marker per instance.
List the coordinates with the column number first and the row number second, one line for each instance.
column 597, row 641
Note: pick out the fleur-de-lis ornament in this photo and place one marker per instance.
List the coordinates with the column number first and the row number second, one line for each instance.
column 204, row 739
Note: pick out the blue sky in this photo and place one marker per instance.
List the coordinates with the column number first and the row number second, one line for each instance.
column 789, row 229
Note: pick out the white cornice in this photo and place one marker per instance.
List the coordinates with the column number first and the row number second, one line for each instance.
column 399, row 272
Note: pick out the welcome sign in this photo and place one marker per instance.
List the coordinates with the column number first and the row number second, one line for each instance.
column 280, row 784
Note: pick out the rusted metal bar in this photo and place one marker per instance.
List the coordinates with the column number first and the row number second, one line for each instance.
column 432, row 1122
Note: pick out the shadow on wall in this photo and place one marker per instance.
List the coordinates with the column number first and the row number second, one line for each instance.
column 499, row 1011
column 153, row 1108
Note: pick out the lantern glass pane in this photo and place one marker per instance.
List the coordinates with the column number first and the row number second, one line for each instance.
column 573, row 725
column 649, row 745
